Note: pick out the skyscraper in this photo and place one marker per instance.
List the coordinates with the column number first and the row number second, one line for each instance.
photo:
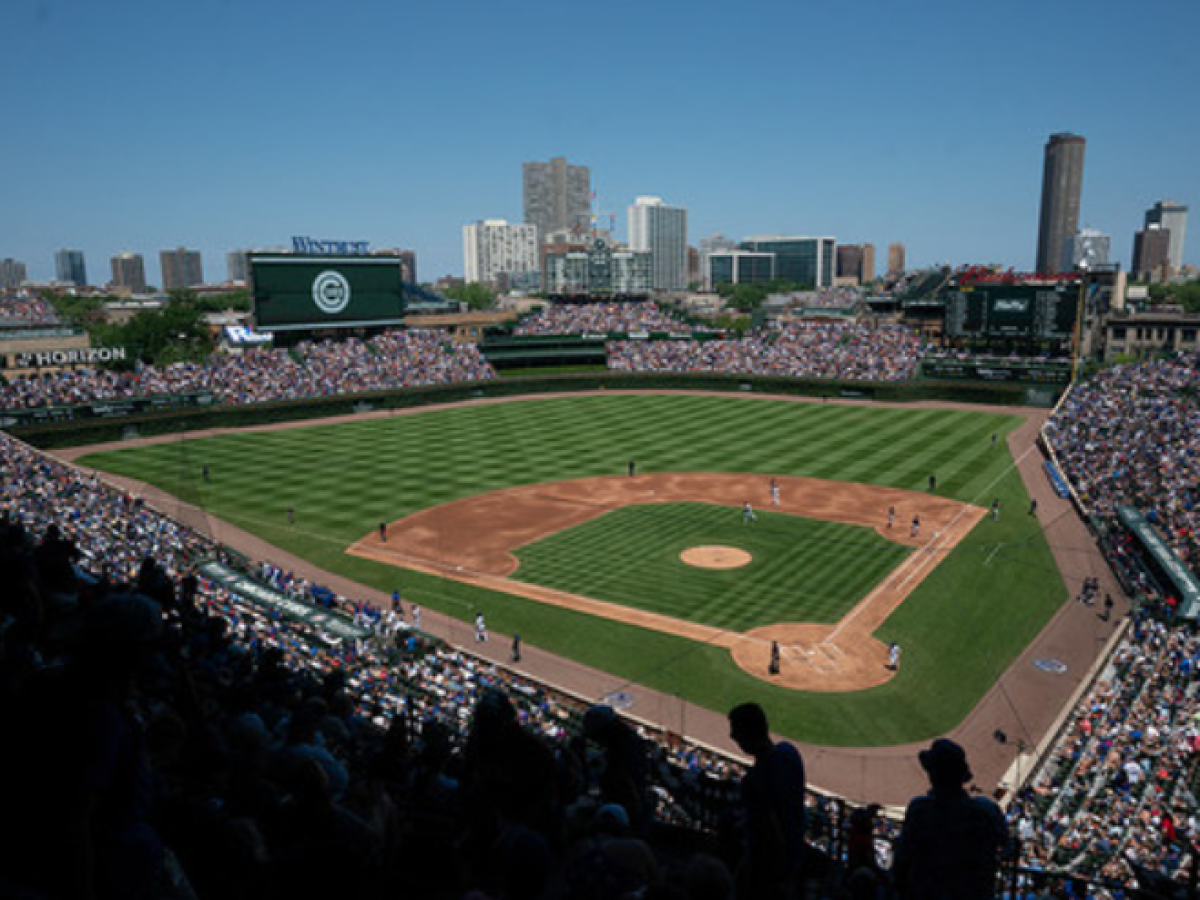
column 129, row 273
column 237, row 265
column 807, row 261
column 1172, row 217
column 181, row 268
column 662, row 230
column 856, row 262
column 12, row 273
column 558, row 197
column 1062, row 186
column 501, row 255
column 69, row 266
column 895, row 260
column 1151, row 253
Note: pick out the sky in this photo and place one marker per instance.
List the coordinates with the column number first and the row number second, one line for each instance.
column 141, row 125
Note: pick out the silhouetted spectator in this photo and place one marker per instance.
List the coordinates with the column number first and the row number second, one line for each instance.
column 773, row 806
column 951, row 842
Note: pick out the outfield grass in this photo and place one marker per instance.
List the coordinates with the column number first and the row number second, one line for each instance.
column 959, row 630
column 802, row 570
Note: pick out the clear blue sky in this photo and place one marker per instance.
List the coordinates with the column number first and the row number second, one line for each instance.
column 217, row 124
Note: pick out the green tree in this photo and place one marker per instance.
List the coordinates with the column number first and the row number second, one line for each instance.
column 1186, row 294
column 162, row 336
column 749, row 297
column 474, row 294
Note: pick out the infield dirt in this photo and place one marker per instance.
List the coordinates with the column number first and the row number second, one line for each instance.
column 472, row 540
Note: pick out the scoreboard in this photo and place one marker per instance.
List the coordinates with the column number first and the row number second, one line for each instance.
column 293, row 292
column 1023, row 311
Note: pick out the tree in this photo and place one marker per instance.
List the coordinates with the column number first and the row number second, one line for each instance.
column 1186, row 294
column 474, row 294
column 749, row 297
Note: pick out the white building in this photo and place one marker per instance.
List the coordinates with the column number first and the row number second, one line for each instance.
column 500, row 254
column 1088, row 246
column 661, row 230
column 1171, row 216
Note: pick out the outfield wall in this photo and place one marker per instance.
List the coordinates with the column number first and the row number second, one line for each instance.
column 73, row 430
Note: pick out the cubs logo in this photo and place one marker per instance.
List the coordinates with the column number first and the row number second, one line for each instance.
column 331, row 292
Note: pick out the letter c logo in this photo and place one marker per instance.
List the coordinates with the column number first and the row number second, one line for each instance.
column 331, row 292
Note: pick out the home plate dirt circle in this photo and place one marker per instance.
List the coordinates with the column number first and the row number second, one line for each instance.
column 714, row 556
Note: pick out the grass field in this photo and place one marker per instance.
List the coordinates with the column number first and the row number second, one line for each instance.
column 803, row 570
column 959, row 630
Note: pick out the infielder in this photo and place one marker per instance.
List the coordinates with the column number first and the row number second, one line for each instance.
column 748, row 513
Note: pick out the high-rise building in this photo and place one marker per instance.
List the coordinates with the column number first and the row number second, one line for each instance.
column 408, row 261
column 1172, row 217
column 1151, row 254
column 129, row 273
column 181, row 268
column 739, row 267
column 662, row 231
column 69, row 267
column 807, row 261
column 237, row 266
column 1088, row 247
column 558, row 197
column 500, row 254
column 895, row 260
column 12, row 273
column 856, row 262
column 716, row 243
column 1062, row 187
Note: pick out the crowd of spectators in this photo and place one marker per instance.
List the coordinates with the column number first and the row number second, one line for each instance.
column 273, row 759
column 602, row 318
column 24, row 308
column 802, row 350
column 840, row 297
column 1114, row 798
column 169, row 737
column 394, row 360
column 1130, row 436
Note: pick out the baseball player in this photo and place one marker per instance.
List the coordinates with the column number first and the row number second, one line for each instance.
column 891, row 516
column 916, row 526
column 748, row 513
column 481, row 634
column 774, row 492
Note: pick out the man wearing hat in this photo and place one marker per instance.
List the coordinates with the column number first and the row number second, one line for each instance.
column 951, row 842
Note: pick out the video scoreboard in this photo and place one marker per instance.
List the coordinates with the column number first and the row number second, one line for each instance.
column 316, row 291
column 1020, row 311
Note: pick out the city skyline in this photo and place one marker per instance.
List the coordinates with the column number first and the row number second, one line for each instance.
column 931, row 150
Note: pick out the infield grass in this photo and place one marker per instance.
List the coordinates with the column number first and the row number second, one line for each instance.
column 959, row 629
column 801, row 570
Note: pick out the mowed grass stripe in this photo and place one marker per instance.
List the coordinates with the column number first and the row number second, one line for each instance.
column 632, row 558
column 959, row 629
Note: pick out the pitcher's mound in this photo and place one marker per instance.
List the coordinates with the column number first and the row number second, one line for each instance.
column 715, row 557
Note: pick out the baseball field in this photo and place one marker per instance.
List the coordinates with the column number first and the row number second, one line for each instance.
column 526, row 511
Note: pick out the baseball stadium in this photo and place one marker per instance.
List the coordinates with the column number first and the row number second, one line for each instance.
column 617, row 522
